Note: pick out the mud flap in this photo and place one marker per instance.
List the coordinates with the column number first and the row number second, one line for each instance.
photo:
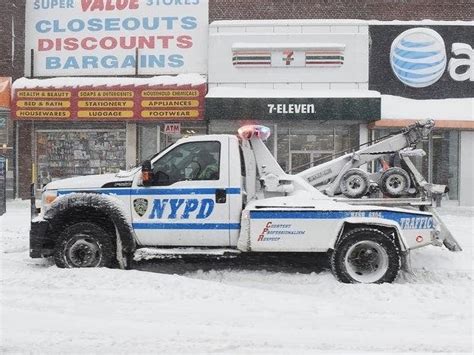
column 406, row 262
column 444, row 234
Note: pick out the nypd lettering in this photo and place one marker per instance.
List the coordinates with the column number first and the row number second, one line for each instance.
column 180, row 208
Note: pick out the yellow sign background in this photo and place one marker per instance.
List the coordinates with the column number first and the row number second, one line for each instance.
column 57, row 94
column 170, row 114
column 170, row 103
column 104, row 114
column 43, row 104
column 103, row 94
column 104, row 104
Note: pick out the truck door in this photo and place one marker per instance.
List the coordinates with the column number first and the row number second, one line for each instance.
column 188, row 202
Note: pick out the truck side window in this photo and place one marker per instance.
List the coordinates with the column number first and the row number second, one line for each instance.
column 188, row 161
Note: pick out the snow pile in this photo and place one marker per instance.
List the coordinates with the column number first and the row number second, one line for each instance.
column 228, row 91
column 165, row 80
column 49, row 310
column 444, row 109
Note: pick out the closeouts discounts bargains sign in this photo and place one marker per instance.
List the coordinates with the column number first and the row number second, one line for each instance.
column 100, row 37
column 185, row 102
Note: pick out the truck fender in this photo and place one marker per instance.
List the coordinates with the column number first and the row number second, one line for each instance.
column 347, row 223
column 106, row 205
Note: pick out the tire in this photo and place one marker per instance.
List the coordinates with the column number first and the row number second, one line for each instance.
column 366, row 255
column 84, row 244
column 354, row 183
column 395, row 182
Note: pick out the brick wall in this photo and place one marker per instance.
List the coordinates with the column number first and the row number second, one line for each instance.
column 341, row 9
column 13, row 65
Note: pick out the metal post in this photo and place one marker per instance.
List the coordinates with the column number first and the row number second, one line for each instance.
column 3, row 185
column 32, row 63
column 136, row 61
column 33, row 201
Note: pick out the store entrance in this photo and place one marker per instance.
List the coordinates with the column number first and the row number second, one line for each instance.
column 302, row 160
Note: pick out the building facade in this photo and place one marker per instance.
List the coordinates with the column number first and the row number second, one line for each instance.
column 327, row 86
column 323, row 86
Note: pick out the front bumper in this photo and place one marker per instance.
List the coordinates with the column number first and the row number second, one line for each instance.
column 41, row 245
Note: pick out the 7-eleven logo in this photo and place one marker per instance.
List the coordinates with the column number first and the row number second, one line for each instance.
column 288, row 57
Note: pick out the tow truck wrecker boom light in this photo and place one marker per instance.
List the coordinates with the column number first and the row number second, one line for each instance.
column 247, row 132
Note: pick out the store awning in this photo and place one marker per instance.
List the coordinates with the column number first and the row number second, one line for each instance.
column 5, row 89
column 440, row 124
column 291, row 104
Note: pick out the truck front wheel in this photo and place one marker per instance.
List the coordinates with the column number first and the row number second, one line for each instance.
column 366, row 255
column 84, row 244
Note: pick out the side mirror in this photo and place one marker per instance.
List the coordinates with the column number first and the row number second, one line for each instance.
column 147, row 173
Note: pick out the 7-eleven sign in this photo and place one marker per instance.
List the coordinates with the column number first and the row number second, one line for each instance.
column 288, row 58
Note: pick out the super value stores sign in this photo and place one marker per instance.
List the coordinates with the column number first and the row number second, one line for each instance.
column 422, row 62
column 106, row 103
column 101, row 37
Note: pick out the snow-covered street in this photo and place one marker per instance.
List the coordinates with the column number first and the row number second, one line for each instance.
column 49, row 310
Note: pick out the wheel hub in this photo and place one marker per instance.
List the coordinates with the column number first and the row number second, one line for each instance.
column 395, row 182
column 355, row 183
column 84, row 252
column 366, row 261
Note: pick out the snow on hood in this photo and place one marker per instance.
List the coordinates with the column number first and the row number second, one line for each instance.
column 85, row 182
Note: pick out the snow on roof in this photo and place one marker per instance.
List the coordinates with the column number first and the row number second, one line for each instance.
column 239, row 92
column 300, row 46
column 333, row 22
column 182, row 79
column 395, row 107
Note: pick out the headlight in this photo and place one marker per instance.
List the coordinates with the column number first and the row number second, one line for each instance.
column 47, row 198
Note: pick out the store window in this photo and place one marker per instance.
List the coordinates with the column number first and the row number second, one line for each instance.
column 69, row 153
column 445, row 156
column 441, row 163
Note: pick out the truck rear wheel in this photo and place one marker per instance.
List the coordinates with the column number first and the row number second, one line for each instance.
column 84, row 244
column 366, row 255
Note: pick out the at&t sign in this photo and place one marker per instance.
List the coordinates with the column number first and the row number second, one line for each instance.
column 418, row 58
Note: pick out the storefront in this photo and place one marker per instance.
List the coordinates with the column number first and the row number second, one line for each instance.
column 326, row 86
column 305, row 79
column 106, row 91
column 306, row 131
column 93, row 128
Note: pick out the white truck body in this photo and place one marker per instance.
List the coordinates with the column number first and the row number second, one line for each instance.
column 251, row 205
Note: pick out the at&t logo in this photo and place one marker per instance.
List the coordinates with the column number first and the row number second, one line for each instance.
column 418, row 58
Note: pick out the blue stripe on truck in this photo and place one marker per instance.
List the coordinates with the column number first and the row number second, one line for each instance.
column 208, row 226
column 154, row 191
column 403, row 218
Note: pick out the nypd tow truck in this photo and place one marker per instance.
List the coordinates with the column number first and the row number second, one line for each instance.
column 225, row 194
